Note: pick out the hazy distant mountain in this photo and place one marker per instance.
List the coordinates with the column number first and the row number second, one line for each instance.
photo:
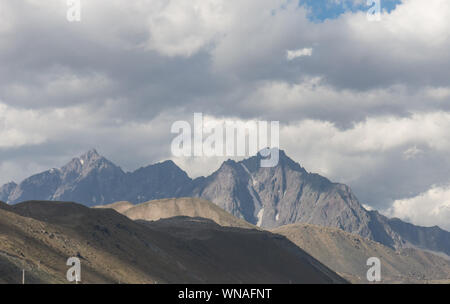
column 92, row 180
column 266, row 197
column 5, row 190
column 89, row 179
column 162, row 180
column 114, row 249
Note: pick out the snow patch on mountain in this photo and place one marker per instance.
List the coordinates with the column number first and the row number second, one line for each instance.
column 260, row 217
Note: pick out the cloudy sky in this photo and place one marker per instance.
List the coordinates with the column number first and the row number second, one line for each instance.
column 366, row 103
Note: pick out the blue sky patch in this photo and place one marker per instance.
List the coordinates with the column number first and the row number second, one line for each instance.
column 331, row 9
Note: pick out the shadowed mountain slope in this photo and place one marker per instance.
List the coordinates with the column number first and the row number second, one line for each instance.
column 343, row 252
column 347, row 254
column 40, row 236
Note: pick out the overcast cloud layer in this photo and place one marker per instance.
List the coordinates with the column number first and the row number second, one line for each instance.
column 363, row 103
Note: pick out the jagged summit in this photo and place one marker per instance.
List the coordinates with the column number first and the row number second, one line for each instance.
column 85, row 158
column 254, row 162
column 89, row 156
column 91, row 153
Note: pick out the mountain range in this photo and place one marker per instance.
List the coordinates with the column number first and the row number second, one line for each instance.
column 265, row 197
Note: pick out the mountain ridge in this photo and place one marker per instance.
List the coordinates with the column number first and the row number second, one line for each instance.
column 266, row 197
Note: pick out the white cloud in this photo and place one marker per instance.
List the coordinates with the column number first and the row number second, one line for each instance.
column 314, row 98
column 412, row 152
column 182, row 28
column 441, row 93
column 21, row 128
column 427, row 209
column 16, row 127
column 58, row 88
column 410, row 33
column 6, row 20
column 370, row 107
column 293, row 54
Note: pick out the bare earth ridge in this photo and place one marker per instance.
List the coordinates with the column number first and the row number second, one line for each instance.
column 40, row 236
column 343, row 252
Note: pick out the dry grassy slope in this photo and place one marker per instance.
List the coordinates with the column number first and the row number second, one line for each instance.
column 167, row 208
column 38, row 247
column 347, row 254
column 40, row 236
column 343, row 252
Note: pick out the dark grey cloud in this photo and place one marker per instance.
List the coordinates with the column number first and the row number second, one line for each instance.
column 117, row 80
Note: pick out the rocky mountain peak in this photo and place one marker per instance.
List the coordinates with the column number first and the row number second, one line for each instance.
column 86, row 163
column 167, row 167
column 253, row 164
column 90, row 159
column 91, row 155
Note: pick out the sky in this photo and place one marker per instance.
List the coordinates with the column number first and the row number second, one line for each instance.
column 362, row 102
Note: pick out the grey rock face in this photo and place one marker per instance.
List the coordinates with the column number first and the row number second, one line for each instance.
column 93, row 180
column 163, row 180
column 41, row 185
column 89, row 179
column 267, row 197
column 285, row 194
column 228, row 188
column 5, row 190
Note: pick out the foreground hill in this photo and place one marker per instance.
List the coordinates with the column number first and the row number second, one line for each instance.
column 347, row 254
column 343, row 252
column 40, row 236
column 167, row 208
column 266, row 197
